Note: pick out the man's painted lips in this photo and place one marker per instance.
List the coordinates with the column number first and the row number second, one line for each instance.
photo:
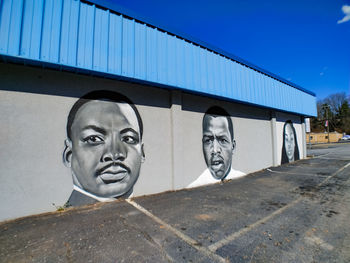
column 113, row 173
column 216, row 163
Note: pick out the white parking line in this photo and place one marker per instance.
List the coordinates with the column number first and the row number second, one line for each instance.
column 210, row 251
column 239, row 233
column 315, row 165
column 178, row 233
column 320, row 155
column 335, row 158
column 338, row 171
column 281, row 172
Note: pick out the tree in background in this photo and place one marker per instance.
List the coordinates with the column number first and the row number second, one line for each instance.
column 344, row 117
column 335, row 109
column 335, row 101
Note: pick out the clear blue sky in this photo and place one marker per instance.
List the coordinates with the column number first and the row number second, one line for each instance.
column 299, row 40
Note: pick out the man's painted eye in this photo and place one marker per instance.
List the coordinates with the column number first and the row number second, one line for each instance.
column 93, row 139
column 206, row 140
column 223, row 141
column 130, row 140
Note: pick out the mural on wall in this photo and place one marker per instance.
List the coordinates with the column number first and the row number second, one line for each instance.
column 290, row 150
column 104, row 147
column 218, row 148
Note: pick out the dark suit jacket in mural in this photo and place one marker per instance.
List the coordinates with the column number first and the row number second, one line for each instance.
column 80, row 197
column 77, row 199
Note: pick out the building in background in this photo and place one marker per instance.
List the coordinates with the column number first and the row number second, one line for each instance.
column 53, row 52
column 322, row 137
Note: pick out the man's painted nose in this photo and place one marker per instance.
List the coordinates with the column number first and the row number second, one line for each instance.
column 116, row 151
column 216, row 146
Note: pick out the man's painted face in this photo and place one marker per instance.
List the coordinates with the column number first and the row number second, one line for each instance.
column 289, row 142
column 106, row 148
column 217, row 145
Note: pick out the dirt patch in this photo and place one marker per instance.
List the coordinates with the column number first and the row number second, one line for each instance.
column 204, row 217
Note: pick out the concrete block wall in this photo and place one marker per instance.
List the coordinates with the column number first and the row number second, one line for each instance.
column 34, row 105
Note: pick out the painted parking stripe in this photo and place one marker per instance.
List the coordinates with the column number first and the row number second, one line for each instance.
column 281, row 172
column 241, row 232
column 195, row 244
column 338, row 171
column 335, row 158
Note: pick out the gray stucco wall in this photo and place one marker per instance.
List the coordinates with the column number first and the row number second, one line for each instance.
column 34, row 104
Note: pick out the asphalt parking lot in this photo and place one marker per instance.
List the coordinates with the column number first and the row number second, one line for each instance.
column 292, row 213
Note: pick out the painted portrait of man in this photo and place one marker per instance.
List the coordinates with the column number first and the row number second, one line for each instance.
column 218, row 145
column 104, row 147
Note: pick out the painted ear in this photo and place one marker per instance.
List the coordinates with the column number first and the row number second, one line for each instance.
column 67, row 153
column 233, row 147
column 143, row 158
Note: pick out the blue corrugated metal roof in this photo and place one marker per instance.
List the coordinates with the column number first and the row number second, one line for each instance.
column 151, row 22
column 86, row 37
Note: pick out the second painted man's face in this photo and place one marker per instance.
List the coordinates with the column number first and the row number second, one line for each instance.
column 106, row 148
column 217, row 145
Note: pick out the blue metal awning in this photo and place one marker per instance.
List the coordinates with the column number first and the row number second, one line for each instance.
column 86, row 37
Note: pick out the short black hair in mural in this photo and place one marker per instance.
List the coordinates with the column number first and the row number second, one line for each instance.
column 104, row 147
column 218, row 111
column 290, row 150
column 100, row 95
column 218, row 141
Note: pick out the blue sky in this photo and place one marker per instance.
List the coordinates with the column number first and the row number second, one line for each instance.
column 304, row 41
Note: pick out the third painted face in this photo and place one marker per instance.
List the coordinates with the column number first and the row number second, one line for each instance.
column 289, row 142
column 106, row 148
column 217, row 145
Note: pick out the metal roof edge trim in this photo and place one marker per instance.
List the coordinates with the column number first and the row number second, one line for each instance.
column 151, row 22
column 72, row 69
